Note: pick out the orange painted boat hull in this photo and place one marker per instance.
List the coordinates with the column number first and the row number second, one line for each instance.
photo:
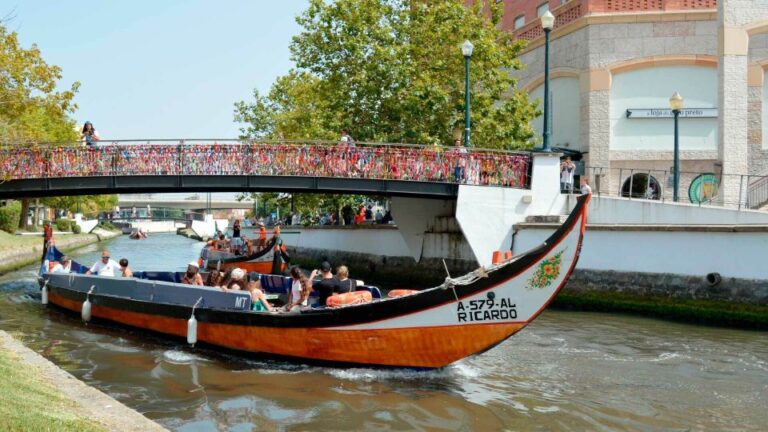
column 429, row 329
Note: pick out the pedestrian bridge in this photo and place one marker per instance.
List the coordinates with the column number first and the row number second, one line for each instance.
column 233, row 166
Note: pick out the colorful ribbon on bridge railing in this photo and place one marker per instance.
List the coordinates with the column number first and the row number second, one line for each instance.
column 372, row 162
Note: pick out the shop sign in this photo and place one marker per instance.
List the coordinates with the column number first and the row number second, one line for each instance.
column 653, row 113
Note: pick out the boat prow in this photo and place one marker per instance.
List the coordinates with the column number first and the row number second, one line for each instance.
column 427, row 329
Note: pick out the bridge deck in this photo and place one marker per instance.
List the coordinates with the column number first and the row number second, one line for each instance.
column 259, row 167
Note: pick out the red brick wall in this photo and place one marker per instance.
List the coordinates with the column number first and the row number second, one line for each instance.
column 515, row 8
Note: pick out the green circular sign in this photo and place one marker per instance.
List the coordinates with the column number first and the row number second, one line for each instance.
column 703, row 188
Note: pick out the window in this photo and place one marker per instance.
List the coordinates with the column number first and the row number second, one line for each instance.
column 639, row 186
column 542, row 8
column 519, row 21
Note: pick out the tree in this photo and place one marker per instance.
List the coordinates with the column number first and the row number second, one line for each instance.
column 307, row 204
column 391, row 70
column 31, row 109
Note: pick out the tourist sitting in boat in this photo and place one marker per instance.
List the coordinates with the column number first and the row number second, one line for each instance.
column 258, row 299
column 328, row 285
column 125, row 271
column 192, row 275
column 299, row 294
column 214, row 279
column 63, row 266
column 234, row 281
column 105, row 266
column 222, row 243
column 347, row 284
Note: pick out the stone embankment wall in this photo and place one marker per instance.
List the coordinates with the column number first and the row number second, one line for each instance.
column 672, row 261
column 378, row 252
column 87, row 402
column 15, row 258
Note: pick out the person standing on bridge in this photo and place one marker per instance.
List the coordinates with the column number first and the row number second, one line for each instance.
column 460, row 154
column 346, row 138
column 89, row 134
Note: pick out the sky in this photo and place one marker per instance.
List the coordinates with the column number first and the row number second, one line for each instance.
column 163, row 68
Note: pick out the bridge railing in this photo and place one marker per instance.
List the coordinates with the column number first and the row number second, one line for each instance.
column 313, row 159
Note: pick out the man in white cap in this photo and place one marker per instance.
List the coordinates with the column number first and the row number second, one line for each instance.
column 192, row 276
column 105, row 267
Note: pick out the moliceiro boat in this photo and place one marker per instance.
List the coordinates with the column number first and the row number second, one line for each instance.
column 271, row 258
column 431, row 328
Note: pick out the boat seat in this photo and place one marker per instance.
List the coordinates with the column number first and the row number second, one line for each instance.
column 375, row 291
column 275, row 284
column 160, row 276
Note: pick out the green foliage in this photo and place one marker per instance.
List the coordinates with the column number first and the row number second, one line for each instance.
column 106, row 225
column 32, row 109
column 90, row 205
column 63, row 224
column 392, row 71
column 76, row 228
column 306, row 204
column 9, row 216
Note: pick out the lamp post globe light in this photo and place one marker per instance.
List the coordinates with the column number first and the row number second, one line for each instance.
column 547, row 23
column 466, row 50
column 676, row 104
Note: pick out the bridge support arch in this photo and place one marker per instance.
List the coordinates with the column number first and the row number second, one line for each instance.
column 487, row 215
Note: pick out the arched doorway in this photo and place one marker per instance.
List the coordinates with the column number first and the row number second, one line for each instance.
column 641, row 185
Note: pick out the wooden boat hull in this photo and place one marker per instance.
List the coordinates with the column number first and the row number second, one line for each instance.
column 261, row 261
column 430, row 329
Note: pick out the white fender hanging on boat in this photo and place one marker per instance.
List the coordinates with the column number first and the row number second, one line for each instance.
column 192, row 325
column 44, row 293
column 85, row 312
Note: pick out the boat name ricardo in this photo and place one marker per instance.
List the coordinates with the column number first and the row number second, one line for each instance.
column 490, row 309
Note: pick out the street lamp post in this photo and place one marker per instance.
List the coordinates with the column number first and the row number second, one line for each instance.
column 547, row 22
column 466, row 50
column 676, row 103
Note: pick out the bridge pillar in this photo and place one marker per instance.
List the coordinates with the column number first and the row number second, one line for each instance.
column 205, row 228
column 487, row 214
column 415, row 216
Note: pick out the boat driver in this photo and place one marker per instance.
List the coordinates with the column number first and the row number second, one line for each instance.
column 105, row 267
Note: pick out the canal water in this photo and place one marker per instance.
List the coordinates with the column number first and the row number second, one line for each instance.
column 567, row 371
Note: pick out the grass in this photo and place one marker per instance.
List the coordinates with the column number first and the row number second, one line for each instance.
column 27, row 403
column 708, row 312
column 12, row 241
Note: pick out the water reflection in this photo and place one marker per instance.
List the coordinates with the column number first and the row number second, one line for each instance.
column 568, row 371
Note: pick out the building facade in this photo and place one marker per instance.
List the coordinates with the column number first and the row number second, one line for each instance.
column 614, row 65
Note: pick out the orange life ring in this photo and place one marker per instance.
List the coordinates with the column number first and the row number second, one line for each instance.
column 350, row 298
column 401, row 292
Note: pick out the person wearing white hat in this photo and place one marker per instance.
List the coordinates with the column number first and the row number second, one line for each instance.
column 235, row 280
column 192, row 276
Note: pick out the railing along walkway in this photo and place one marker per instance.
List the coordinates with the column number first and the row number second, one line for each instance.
column 306, row 159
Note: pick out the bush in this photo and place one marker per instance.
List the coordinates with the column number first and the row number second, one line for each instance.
column 63, row 225
column 76, row 228
column 9, row 216
column 107, row 226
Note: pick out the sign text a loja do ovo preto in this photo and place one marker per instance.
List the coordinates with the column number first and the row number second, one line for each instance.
column 653, row 113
